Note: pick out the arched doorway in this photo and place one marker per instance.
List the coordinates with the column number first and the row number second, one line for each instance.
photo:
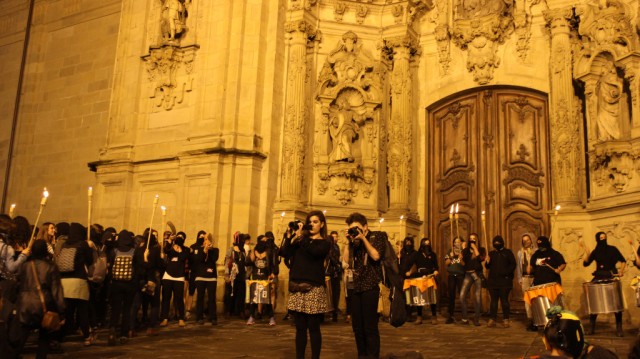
column 488, row 150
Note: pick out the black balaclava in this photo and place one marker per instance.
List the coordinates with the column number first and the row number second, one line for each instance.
column 200, row 238
column 498, row 243
column 425, row 246
column 407, row 246
column 180, row 237
column 543, row 243
column 77, row 233
column 261, row 246
column 603, row 242
column 125, row 241
column 271, row 239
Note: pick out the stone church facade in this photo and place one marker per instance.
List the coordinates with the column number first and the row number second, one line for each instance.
column 243, row 115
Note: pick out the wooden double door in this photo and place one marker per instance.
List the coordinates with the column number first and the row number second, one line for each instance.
column 489, row 151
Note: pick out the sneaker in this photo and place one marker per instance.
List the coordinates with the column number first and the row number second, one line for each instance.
column 272, row 321
column 187, row 315
column 491, row 324
column 476, row 322
column 88, row 341
column 449, row 320
column 164, row 323
column 250, row 321
column 506, row 324
column 181, row 323
column 465, row 321
column 418, row 320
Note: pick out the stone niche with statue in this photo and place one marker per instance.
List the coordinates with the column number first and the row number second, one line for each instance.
column 349, row 127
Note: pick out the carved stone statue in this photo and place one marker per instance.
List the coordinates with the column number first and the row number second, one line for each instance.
column 343, row 129
column 174, row 16
column 610, row 93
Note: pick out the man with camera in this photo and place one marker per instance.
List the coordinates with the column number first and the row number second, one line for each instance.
column 364, row 253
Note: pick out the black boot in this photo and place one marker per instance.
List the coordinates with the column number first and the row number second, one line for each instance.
column 619, row 331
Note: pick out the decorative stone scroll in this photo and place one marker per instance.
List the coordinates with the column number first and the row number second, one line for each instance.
column 348, row 104
column 169, row 69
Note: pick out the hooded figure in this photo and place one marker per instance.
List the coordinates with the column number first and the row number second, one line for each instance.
column 501, row 265
column 546, row 263
column 125, row 241
column 77, row 233
column 425, row 246
column 180, row 238
column 601, row 239
column 498, row 243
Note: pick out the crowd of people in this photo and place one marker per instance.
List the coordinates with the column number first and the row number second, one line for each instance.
column 99, row 278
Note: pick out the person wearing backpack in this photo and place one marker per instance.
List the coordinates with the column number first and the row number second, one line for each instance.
column 123, row 285
column 501, row 264
column 72, row 260
column 365, row 251
column 38, row 272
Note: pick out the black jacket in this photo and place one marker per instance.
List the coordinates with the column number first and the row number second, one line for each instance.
column 501, row 266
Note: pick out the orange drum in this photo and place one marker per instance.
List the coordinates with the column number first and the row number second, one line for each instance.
column 421, row 291
column 542, row 297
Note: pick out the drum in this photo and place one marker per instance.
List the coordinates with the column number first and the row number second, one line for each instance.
column 420, row 291
column 258, row 292
column 329, row 291
column 604, row 297
column 542, row 297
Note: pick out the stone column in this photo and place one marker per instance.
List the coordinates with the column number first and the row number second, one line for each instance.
column 400, row 128
column 296, row 114
column 565, row 114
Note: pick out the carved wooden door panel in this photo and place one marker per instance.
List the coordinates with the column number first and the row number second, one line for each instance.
column 488, row 151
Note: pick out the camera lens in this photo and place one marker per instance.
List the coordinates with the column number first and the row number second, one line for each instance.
column 353, row 231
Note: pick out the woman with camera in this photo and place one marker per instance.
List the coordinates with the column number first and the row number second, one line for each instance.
column 307, row 249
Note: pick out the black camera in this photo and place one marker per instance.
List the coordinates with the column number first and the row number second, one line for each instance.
column 353, row 232
column 293, row 225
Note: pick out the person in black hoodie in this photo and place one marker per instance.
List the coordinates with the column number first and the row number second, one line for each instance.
column 405, row 255
column 122, row 270
column 30, row 310
column 262, row 270
column 206, row 278
column 235, row 276
column 501, row 264
column 73, row 257
column 546, row 263
column 423, row 262
column 173, row 279
column 606, row 257
column 192, row 272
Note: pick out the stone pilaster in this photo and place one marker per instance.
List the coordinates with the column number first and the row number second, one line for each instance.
column 400, row 128
column 565, row 113
column 296, row 114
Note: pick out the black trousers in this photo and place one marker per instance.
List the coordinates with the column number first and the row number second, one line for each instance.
column 434, row 310
column 308, row 322
column 455, row 284
column 348, row 300
column 97, row 304
column 364, row 321
column 76, row 312
column 44, row 337
column 335, row 292
column 234, row 297
column 122, row 294
column 175, row 287
column 501, row 294
column 210, row 287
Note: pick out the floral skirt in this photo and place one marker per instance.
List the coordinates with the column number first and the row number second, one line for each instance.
column 311, row 302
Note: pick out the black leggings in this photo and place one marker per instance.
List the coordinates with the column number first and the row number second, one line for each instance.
column 210, row 287
column 177, row 288
column 77, row 312
column 310, row 322
column 434, row 310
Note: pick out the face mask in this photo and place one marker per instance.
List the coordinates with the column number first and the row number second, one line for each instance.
column 179, row 241
column 498, row 245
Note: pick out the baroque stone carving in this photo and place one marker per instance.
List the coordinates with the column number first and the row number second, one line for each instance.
column 606, row 26
column 174, row 20
column 169, row 69
column 565, row 140
column 479, row 27
column 614, row 164
column 518, row 173
column 361, row 13
column 348, row 103
column 339, row 10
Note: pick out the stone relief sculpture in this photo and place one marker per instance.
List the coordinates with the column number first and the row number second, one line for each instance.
column 348, row 100
column 169, row 70
column 479, row 26
column 610, row 94
column 174, row 16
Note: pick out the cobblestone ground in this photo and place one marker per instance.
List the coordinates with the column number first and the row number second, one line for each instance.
column 234, row 339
